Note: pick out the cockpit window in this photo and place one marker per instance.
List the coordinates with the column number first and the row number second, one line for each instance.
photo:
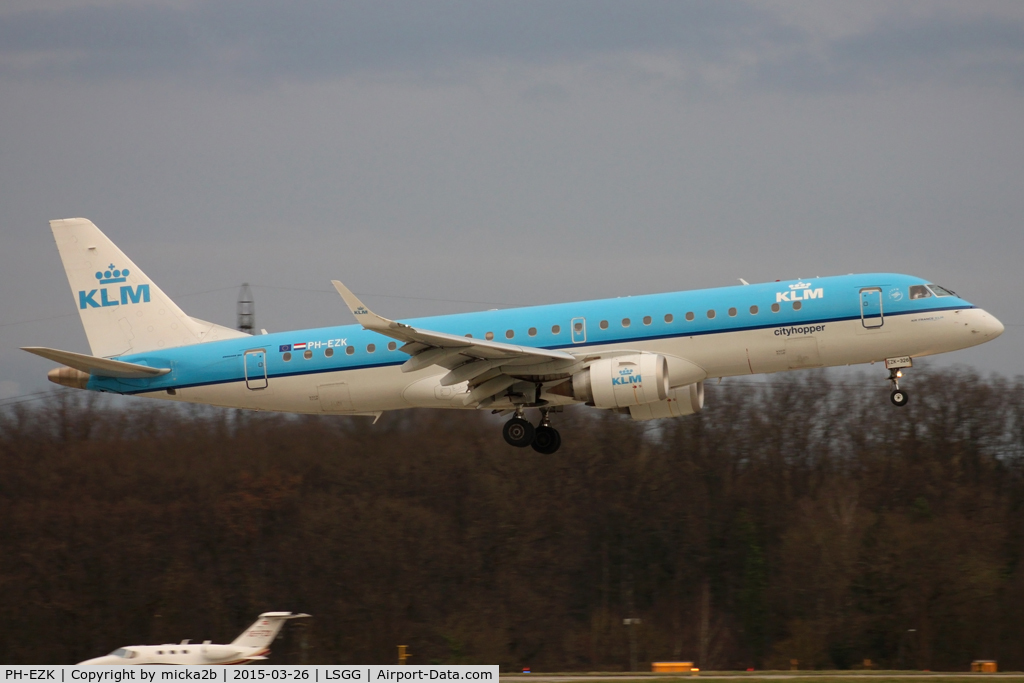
column 120, row 652
column 919, row 292
column 941, row 291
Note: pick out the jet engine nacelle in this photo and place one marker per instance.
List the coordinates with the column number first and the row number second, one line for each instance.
column 680, row 401
column 623, row 381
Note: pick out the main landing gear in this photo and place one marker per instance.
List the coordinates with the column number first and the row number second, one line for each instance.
column 520, row 433
column 898, row 396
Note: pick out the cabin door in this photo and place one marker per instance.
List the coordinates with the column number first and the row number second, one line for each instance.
column 871, row 307
column 256, row 369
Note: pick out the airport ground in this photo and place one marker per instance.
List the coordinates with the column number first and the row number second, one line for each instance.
column 810, row 676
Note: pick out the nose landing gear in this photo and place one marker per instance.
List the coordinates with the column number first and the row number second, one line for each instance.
column 898, row 396
column 520, row 433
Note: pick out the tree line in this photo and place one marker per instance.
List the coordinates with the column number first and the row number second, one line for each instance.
column 802, row 518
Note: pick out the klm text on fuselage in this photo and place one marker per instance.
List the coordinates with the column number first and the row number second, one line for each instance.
column 798, row 292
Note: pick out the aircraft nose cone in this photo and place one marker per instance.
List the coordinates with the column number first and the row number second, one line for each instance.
column 991, row 327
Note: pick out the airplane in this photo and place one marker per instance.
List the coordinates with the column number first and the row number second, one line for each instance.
column 646, row 356
column 252, row 645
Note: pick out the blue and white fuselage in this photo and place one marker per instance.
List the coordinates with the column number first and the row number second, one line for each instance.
column 637, row 354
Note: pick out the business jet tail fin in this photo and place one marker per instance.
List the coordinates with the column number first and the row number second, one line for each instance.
column 122, row 310
column 266, row 628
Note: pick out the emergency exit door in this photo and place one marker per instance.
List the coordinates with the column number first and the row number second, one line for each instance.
column 579, row 330
column 256, row 369
column 871, row 307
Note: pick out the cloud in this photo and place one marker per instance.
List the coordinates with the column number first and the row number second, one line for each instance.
column 262, row 41
column 326, row 39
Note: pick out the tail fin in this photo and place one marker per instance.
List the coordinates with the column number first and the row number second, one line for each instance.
column 122, row 310
column 266, row 628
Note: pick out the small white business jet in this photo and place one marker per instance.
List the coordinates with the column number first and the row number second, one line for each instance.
column 644, row 356
column 251, row 646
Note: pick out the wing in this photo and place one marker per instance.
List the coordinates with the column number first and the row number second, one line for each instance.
column 489, row 367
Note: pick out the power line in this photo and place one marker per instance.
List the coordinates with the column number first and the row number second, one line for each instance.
column 292, row 289
column 24, row 398
column 36, row 320
column 392, row 296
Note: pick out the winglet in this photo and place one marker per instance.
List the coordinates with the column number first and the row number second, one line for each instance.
column 367, row 318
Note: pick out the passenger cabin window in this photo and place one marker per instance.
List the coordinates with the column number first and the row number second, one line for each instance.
column 350, row 350
column 919, row 292
column 532, row 332
column 555, row 329
column 328, row 352
column 509, row 334
column 370, row 348
column 578, row 327
column 625, row 322
column 669, row 318
column 392, row 345
column 489, row 336
column 711, row 313
column 797, row 305
column 647, row 320
column 307, row 354
column 286, row 357
column 732, row 312
column 689, row 315
column 775, row 308
column 753, row 310
column 940, row 291
column 604, row 324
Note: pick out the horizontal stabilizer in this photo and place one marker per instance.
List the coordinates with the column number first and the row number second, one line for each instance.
column 100, row 367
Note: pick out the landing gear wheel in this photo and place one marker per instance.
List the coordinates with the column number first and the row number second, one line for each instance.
column 518, row 432
column 546, row 440
column 899, row 397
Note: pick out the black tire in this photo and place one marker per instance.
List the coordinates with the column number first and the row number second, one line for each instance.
column 518, row 432
column 899, row 397
column 546, row 440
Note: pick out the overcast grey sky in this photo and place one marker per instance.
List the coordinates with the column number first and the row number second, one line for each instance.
column 452, row 156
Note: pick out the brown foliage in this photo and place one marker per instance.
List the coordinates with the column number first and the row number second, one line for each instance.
column 801, row 518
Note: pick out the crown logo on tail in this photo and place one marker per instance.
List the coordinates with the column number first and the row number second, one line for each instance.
column 112, row 275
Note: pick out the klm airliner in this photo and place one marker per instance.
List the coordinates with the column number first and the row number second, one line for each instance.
column 645, row 356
